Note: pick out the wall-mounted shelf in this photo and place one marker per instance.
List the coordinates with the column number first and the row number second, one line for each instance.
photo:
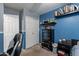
column 67, row 10
column 49, row 24
column 74, row 12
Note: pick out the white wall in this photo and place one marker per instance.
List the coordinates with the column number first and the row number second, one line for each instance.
column 32, row 29
column 1, row 16
column 11, row 27
column 30, row 23
column 1, row 27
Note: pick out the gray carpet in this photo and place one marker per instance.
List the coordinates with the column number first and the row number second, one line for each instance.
column 37, row 51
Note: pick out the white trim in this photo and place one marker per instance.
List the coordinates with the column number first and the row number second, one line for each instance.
column 1, row 32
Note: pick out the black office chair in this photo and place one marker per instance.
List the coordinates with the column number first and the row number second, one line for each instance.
column 15, row 48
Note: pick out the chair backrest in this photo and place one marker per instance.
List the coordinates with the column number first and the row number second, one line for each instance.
column 18, row 46
column 16, row 49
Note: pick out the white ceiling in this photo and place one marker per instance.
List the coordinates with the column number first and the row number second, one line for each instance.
column 37, row 8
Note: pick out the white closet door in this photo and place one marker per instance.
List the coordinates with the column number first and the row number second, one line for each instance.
column 11, row 27
column 32, row 31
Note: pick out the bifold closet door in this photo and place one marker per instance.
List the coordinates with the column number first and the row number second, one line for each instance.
column 11, row 27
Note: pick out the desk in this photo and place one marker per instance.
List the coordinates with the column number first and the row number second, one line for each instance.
column 67, row 45
column 64, row 47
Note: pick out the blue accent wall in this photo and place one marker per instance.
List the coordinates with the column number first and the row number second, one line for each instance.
column 46, row 16
column 23, row 40
column 67, row 27
column 1, row 43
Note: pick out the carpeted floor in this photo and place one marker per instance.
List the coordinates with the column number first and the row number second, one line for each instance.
column 37, row 51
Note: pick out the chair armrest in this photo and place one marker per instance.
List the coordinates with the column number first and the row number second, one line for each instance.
column 14, row 48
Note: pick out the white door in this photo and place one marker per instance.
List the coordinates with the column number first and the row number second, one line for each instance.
column 11, row 27
column 32, row 31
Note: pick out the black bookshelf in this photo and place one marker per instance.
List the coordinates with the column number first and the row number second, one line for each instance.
column 48, row 35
